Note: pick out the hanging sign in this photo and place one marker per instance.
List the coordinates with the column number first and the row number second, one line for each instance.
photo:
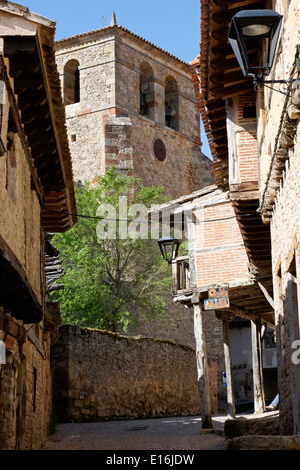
column 217, row 298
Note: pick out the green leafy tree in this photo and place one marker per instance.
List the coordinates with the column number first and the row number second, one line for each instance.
column 113, row 279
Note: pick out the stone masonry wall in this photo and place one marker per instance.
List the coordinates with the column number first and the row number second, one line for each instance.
column 24, row 385
column 285, row 229
column 20, row 208
column 100, row 375
column 269, row 102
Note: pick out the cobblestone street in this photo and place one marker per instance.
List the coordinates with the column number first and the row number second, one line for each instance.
column 182, row 433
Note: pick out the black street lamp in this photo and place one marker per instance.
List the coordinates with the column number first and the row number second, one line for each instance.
column 169, row 248
column 252, row 30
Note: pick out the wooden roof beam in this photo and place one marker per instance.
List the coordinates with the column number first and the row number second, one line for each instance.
column 215, row 114
column 233, row 3
column 224, row 17
column 225, row 79
column 229, row 92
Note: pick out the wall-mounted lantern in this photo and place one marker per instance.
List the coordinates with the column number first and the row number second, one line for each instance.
column 252, row 30
column 169, row 247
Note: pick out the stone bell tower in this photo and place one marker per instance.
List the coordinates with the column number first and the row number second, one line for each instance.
column 132, row 105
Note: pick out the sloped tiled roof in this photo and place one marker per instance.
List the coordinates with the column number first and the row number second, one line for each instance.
column 220, row 76
column 32, row 61
column 103, row 31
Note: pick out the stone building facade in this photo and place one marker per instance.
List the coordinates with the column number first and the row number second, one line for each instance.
column 132, row 105
column 35, row 176
column 278, row 143
column 25, row 384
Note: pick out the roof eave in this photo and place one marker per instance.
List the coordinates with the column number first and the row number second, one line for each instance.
column 25, row 29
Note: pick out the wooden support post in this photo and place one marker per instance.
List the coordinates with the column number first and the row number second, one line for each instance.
column 228, row 368
column 202, row 368
column 258, row 382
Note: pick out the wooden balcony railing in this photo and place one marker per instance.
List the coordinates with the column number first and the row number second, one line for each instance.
column 181, row 275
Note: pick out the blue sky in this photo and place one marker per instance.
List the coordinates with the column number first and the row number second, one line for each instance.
column 173, row 25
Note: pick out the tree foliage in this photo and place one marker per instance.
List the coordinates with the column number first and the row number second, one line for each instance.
column 110, row 282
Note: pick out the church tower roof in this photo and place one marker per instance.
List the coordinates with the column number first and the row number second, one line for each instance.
column 113, row 21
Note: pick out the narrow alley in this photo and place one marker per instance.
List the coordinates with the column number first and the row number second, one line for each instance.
column 182, row 433
column 150, row 229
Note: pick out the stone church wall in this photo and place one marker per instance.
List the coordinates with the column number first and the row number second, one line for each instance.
column 106, row 126
column 101, row 375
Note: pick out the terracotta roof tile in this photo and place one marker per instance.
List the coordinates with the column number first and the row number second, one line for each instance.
column 121, row 28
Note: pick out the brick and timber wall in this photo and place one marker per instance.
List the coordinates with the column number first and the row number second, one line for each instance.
column 220, row 255
column 242, row 139
column 98, row 375
column 246, row 139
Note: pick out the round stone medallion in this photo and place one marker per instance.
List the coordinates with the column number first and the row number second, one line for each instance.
column 159, row 150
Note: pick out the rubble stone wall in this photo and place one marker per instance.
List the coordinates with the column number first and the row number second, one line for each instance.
column 20, row 207
column 24, row 385
column 285, row 228
column 271, row 102
column 101, row 375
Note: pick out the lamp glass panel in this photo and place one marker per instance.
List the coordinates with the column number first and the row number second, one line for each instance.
column 257, row 61
column 256, row 30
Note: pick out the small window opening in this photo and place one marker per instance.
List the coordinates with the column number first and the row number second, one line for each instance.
column 270, row 340
column 11, row 169
column 71, row 82
column 171, row 104
column 147, row 102
column 76, row 86
column 249, row 112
